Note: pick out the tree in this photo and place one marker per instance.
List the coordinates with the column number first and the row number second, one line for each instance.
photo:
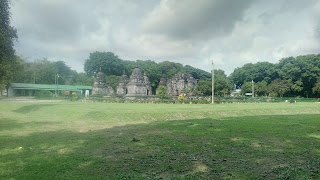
column 316, row 88
column 7, row 35
column 162, row 92
column 222, row 84
column 204, row 87
column 196, row 73
column 83, row 79
column 109, row 63
column 279, row 87
column 246, row 88
column 169, row 69
column 303, row 71
column 256, row 72
column 261, row 88
column 113, row 81
column 297, row 87
column 42, row 71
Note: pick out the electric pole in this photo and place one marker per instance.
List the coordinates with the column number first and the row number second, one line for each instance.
column 212, row 99
column 252, row 88
column 34, row 77
column 55, row 82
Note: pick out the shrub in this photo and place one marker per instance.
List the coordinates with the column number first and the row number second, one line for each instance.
column 181, row 97
column 44, row 95
column 74, row 96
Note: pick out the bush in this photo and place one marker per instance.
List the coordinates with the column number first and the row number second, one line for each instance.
column 44, row 95
column 74, row 96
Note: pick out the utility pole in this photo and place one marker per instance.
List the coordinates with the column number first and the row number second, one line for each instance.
column 212, row 99
column 34, row 77
column 57, row 84
column 252, row 88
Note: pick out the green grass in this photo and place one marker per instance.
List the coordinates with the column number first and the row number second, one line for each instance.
column 150, row 141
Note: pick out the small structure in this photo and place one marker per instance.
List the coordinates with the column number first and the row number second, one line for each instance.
column 138, row 85
column 26, row 89
column 179, row 83
column 122, row 85
column 100, row 86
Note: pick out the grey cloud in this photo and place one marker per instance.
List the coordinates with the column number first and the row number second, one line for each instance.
column 231, row 32
column 53, row 20
column 195, row 19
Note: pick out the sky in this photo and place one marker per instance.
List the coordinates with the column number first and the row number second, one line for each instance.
column 230, row 33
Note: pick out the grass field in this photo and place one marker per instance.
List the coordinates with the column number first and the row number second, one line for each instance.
column 66, row 140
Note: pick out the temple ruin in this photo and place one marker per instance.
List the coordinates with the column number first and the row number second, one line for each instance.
column 178, row 84
column 138, row 85
column 100, row 86
column 122, row 85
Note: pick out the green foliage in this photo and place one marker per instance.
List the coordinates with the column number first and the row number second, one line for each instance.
column 43, row 71
column 302, row 72
column 316, row 88
column 222, row 84
column 261, row 88
column 162, row 92
column 83, row 79
column 109, row 63
column 7, row 35
column 43, row 95
column 279, row 87
column 169, row 69
column 74, row 96
column 256, row 72
column 246, row 87
column 113, row 81
column 196, row 73
column 204, row 87
column 297, row 87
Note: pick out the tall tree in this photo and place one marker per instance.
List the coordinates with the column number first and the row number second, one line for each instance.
column 256, row 72
column 222, row 84
column 316, row 88
column 7, row 35
column 109, row 63
column 279, row 87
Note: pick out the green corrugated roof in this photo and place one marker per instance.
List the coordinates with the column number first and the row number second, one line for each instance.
column 49, row 87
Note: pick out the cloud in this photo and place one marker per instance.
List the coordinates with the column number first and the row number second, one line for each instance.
column 229, row 32
column 195, row 19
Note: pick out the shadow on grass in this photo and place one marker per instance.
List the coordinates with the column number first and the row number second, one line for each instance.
column 31, row 108
column 10, row 124
column 254, row 147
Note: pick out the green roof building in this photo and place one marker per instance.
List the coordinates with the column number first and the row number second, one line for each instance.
column 26, row 89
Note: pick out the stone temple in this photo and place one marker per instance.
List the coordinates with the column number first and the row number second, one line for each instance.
column 122, row 85
column 100, row 86
column 178, row 84
column 136, row 85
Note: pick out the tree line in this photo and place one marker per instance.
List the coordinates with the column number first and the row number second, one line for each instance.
column 43, row 71
column 291, row 77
